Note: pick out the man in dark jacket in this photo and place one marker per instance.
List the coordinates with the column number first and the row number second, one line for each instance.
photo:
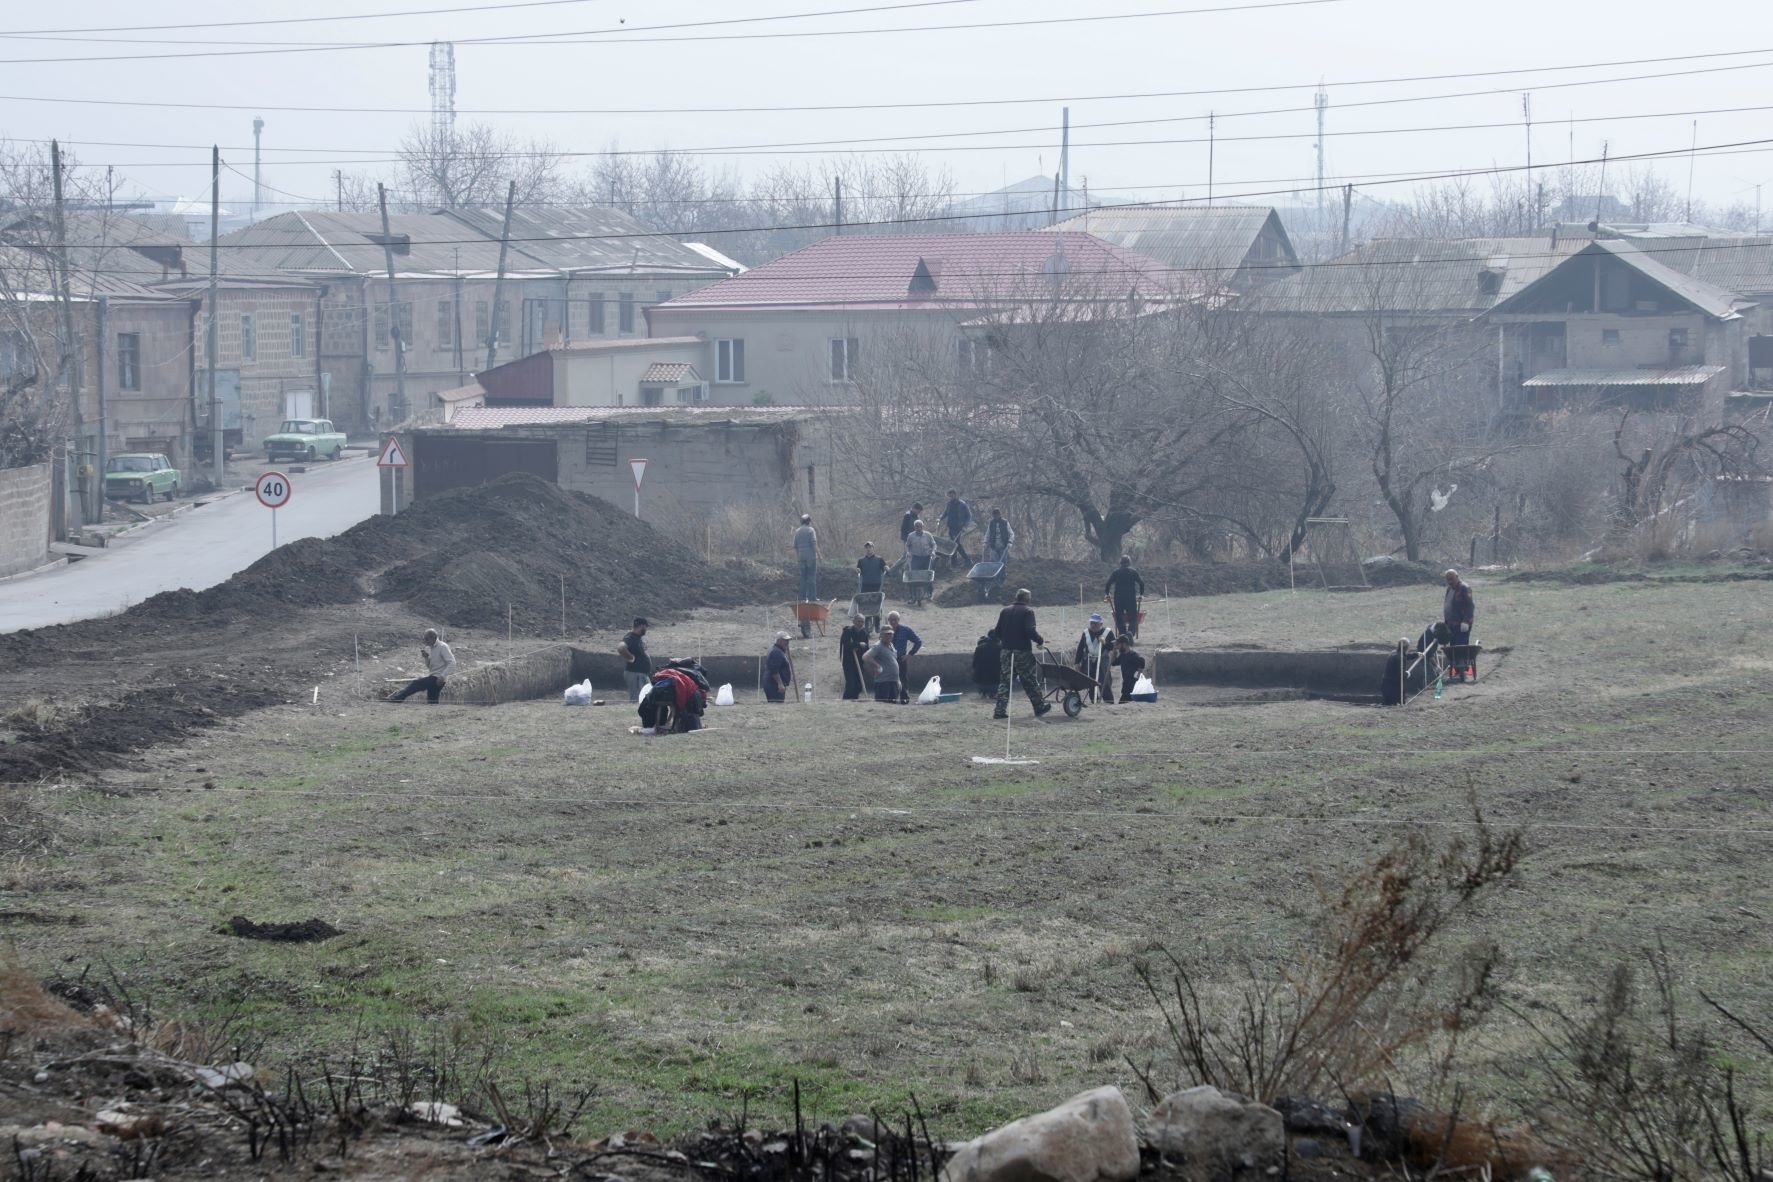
column 1094, row 656
column 909, row 520
column 1130, row 664
column 871, row 571
column 1017, row 633
column 852, row 645
column 1458, row 611
column 778, row 671
column 1123, row 589
column 957, row 518
column 999, row 537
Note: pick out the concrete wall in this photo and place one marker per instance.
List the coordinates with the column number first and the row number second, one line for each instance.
column 612, row 377
column 280, row 364
column 24, row 518
column 696, row 469
column 787, row 352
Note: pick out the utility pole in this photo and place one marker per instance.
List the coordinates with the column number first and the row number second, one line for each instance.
column 1692, row 159
column 837, row 204
column 338, row 176
column 215, row 230
column 258, row 176
column 1212, row 133
column 498, row 317
column 456, row 306
column 69, row 360
column 104, row 320
column 1320, row 100
column 1532, row 214
column 1347, row 210
column 394, row 332
column 1065, row 153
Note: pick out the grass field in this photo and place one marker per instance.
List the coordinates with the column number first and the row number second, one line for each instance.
column 837, row 894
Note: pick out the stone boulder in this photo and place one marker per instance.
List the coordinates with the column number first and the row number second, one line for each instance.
column 1089, row 1138
column 1218, row 1136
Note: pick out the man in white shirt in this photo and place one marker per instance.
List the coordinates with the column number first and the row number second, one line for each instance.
column 440, row 664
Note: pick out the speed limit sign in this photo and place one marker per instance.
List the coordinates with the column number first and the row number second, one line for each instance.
column 273, row 490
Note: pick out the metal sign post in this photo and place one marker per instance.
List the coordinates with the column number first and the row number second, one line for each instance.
column 273, row 492
column 639, row 469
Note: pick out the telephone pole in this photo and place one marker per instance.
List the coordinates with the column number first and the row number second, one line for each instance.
column 1532, row 199
column 394, row 332
column 68, row 362
column 1064, row 154
column 1320, row 100
column 497, row 318
column 1212, row 134
column 215, row 230
column 258, row 176
column 837, row 204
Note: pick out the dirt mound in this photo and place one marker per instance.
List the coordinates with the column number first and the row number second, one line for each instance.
column 300, row 932
column 1054, row 582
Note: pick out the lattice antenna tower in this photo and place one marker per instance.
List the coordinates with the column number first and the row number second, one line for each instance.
column 443, row 91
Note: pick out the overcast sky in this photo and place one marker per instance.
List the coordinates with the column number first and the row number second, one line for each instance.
column 1343, row 42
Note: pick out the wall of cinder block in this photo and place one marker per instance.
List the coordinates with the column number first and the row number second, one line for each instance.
column 24, row 518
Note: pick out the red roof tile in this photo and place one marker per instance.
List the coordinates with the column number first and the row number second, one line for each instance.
column 968, row 270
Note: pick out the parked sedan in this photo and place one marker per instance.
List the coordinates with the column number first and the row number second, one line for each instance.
column 137, row 476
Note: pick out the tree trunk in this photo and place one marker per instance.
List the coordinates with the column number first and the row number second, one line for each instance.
column 1111, row 533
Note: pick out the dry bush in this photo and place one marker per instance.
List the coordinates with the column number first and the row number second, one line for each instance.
column 1371, row 985
column 37, row 714
column 1636, row 1090
column 27, row 1008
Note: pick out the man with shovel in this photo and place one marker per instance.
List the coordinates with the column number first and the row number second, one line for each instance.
column 1094, row 657
column 1017, row 634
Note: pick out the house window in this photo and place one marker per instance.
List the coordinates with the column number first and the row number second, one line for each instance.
column 844, row 356
column 1677, row 339
column 625, row 316
column 729, row 361
column 129, row 361
column 975, row 357
column 482, row 323
column 1610, row 337
column 381, row 326
column 403, row 321
column 446, row 325
column 298, row 335
column 501, row 320
column 696, row 393
column 249, row 339
column 594, row 322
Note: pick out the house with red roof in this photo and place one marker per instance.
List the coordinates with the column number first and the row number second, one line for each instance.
column 801, row 330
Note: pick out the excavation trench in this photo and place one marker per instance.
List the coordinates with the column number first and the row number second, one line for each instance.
column 1254, row 676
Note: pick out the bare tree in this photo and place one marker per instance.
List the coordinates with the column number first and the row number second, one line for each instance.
column 1666, row 469
column 472, row 165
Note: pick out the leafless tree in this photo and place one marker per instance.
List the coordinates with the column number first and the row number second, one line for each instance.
column 473, row 165
column 1666, row 468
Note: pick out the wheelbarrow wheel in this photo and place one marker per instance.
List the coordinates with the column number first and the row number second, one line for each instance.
column 1073, row 704
column 806, row 629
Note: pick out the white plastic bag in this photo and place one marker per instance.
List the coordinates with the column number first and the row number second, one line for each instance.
column 1144, row 685
column 724, row 695
column 932, row 690
column 578, row 695
column 644, row 691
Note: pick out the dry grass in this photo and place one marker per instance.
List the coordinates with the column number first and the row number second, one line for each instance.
column 37, row 713
column 27, row 1009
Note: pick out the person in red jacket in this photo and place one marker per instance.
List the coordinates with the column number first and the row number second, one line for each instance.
column 678, row 698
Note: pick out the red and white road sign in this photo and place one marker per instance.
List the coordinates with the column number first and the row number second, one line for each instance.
column 639, row 469
column 273, row 490
column 393, row 456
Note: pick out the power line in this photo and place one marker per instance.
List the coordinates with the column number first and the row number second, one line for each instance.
column 625, row 37
column 949, row 103
column 304, row 20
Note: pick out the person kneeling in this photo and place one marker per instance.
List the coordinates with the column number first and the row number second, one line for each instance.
column 678, row 699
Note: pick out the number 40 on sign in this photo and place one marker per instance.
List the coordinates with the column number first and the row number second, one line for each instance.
column 273, row 491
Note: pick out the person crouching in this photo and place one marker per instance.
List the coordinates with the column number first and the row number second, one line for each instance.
column 677, row 701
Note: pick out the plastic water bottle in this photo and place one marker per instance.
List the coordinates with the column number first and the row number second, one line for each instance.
column 806, row 693
column 1440, row 681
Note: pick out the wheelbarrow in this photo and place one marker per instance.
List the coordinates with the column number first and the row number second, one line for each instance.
column 987, row 577
column 809, row 615
column 868, row 605
column 920, row 583
column 1062, row 684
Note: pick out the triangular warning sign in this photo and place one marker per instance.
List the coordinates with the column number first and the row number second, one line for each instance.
column 392, row 456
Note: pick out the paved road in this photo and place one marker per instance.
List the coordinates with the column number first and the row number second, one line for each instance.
column 196, row 549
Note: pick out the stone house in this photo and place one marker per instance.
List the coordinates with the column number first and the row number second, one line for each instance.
column 800, row 329
column 569, row 275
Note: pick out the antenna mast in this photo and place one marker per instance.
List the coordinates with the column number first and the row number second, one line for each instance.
column 443, row 91
column 1320, row 100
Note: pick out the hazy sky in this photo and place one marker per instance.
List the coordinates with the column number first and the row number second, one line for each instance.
column 1343, row 42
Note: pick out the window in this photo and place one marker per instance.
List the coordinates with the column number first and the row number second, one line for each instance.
column 844, row 354
column 298, row 335
column 625, row 317
column 975, row 357
column 381, row 326
column 129, row 361
column 1677, row 339
column 446, row 325
column 482, row 322
column 594, row 321
column 249, row 339
column 729, row 361
column 1610, row 337
column 403, row 319
column 696, row 393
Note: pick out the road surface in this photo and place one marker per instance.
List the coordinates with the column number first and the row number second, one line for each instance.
column 196, row 549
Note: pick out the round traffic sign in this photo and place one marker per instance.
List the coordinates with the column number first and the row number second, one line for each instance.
column 273, row 490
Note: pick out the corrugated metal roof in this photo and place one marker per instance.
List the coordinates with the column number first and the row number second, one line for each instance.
column 1714, row 301
column 966, row 270
column 617, row 344
column 1417, row 276
column 493, row 418
column 1680, row 375
column 589, row 238
column 1190, row 238
column 668, row 373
